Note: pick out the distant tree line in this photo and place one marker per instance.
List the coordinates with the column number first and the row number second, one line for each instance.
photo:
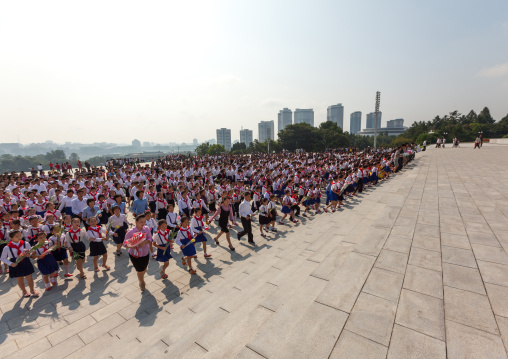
column 9, row 163
column 465, row 127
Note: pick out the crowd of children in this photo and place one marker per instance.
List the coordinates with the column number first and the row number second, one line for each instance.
column 59, row 218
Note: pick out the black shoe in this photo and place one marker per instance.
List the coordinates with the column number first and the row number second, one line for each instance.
column 238, row 236
column 252, row 242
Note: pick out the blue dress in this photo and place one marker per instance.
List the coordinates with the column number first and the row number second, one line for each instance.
column 200, row 237
column 48, row 264
column 164, row 257
column 190, row 249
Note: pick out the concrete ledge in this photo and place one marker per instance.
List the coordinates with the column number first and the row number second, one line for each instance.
column 499, row 141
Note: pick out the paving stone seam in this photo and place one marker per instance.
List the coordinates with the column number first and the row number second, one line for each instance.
column 479, row 271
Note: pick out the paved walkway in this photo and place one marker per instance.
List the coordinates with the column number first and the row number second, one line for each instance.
column 416, row 268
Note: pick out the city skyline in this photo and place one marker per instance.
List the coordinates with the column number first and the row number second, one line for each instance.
column 216, row 68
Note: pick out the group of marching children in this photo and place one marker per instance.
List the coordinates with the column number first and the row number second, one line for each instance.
column 53, row 234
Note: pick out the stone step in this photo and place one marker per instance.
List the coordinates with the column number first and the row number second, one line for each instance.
column 276, row 329
column 288, row 281
column 344, row 286
column 332, row 261
column 232, row 343
column 315, row 334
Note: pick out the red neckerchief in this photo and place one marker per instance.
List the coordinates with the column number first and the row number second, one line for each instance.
column 200, row 220
column 53, row 213
column 44, row 248
column 187, row 232
column 17, row 247
column 166, row 232
column 73, row 234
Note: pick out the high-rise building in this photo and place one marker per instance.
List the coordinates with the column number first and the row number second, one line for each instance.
column 398, row 122
column 136, row 143
column 224, row 138
column 304, row 116
column 335, row 113
column 246, row 137
column 265, row 130
column 355, row 122
column 195, row 141
column 284, row 118
column 371, row 118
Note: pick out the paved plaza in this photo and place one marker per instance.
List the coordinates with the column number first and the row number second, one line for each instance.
column 415, row 268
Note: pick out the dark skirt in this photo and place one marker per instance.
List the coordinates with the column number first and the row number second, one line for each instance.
column 23, row 268
column 97, row 248
column 152, row 206
column 121, row 235
column 190, row 249
column 104, row 218
column 163, row 212
column 60, row 254
column 140, row 263
column 264, row 220
column 212, row 206
column 224, row 226
column 48, row 264
column 201, row 238
column 79, row 248
column 286, row 210
column 161, row 257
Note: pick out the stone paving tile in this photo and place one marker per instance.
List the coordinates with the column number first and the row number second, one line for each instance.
column 407, row 343
column 343, row 288
column 455, row 240
column 425, row 258
column 422, row 313
column 353, row 346
column 487, row 239
column 490, row 254
column 393, row 261
column 470, row 309
column 463, row 278
column 423, row 280
column 494, row 273
column 427, row 242
column 384, row 284
column 372, row 317
column 458, row 256
column 397, row 244
column 466, row 342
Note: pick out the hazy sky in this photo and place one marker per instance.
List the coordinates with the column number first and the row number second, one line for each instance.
column 171, row 71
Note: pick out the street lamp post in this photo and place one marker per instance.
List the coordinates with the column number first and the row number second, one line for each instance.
column 378, row 100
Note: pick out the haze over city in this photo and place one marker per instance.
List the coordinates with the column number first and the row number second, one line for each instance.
column 167, row 71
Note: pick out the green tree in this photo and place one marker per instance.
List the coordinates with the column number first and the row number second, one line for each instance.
column 239, row 146
column 202, row 149
column 57, row 155
column 215, row 150
column 300, row 135
column 484, row 117
column 73, row 158
column 329, row 125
